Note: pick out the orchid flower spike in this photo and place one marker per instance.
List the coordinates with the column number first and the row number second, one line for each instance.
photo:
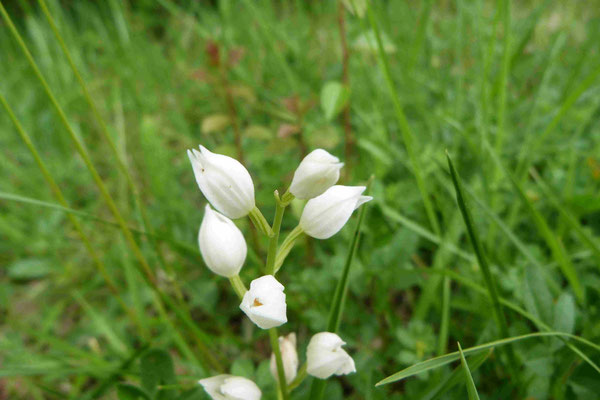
column 317, row 172
column 224, row 181
column 289, row 356
column 325, row 356
column 229, row 387
column 221, row 243
column 326, row 214
column 264, row 303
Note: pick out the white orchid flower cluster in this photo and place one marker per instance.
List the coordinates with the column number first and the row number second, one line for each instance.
column 228, row 187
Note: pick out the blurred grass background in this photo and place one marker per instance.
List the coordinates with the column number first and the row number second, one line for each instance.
column 501, row 86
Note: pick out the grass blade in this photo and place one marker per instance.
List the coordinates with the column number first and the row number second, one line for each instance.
column 571, row 221
column 341, row 291
column 457, row 376
column 407, row 134
column 471, row 388
column 556, row 247
column 147, row 272
column 446, row 359
column 514, row 307
column 58, row 194
column 339, row 298
column 481, row 259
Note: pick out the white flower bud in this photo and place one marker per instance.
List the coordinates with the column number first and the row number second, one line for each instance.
column 224, row 182
column 326, row 214
column 264, row 303
column 289, row 356
column 221, row 243
column 325, row 356
column 317, row 172
column 229, row 387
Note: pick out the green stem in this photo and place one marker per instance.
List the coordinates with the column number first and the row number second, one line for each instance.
column 286, row 246
column 299, row 378
column 274, row 337
column 238, row 286
column 259, row 221
column 274, row 238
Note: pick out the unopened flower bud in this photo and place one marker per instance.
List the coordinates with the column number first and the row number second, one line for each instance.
column 225, row 182
column 317, row 172
column 264, row 303
column 221, row 243
column 229, row 387
column 289, row 356
column 325, row 356
column 326, row 214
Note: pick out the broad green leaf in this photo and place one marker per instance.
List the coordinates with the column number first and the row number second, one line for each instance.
column 127, row 391
column 446, row 359
column 334, row 97
column 564, row 314
column 536, row 295
column 243, row 367
column 156, row 368
column 31, row 268
column 471, row 389
column 215, row 123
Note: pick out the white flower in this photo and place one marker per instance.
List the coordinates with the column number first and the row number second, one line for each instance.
column 325, row 356
column 289, row 356
column 326, row 214
column 221, row 243
column 317, row 172
column 264, row 303
column 224, row 182
column 229, row 387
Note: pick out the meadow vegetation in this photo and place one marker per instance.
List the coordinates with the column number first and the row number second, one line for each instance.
column 475, row 123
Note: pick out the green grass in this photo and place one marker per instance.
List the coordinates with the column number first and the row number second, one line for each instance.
column 99, row 210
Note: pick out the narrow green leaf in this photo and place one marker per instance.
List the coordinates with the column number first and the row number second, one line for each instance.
column 446, row 359
column 456, row 376
column 473, row 236
column 102, row 325
column 571, row 221
column 556, row 247
column 471, row 389
column 339, row 298
column 334, row 97
column 407, row 135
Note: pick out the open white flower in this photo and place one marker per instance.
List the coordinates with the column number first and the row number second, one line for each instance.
column 326, row 214
column 264, row 303
column 325, row 356
column 289, row 356
column 221, row 243
column 229, row 387
column 317, row 172
column 224, row 181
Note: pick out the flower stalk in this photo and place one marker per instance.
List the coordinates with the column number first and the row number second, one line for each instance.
column 286, row 246
column 280, row 205
column 238, row 286
column 259, row 221
column 274, row 337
